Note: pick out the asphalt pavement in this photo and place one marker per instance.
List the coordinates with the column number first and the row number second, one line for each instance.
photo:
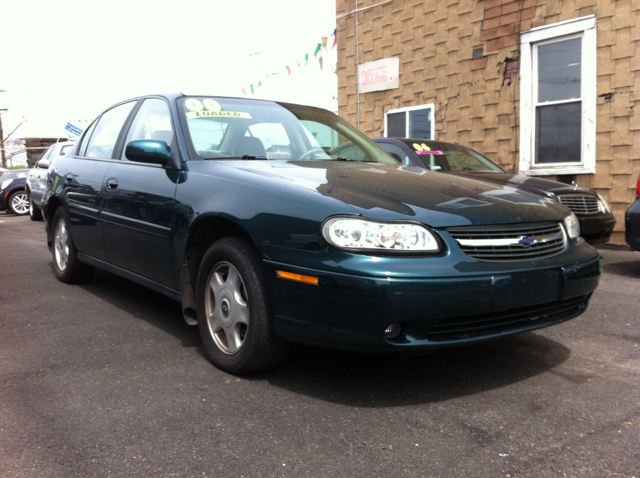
column 106, row 380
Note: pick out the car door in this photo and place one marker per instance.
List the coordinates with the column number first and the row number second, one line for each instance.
column 37, row 176
column 83, row 177
column 138, row 209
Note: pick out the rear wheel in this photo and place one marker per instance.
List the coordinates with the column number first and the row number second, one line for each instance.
column 18, row 203
column 66, row 265
column 234, row 311
column 35, row 213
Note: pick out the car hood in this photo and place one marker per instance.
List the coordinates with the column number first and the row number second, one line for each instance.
column 521, row 181
column 399, row 192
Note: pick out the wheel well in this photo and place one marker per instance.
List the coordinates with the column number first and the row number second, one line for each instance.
column 207, row 231
column 52, row 205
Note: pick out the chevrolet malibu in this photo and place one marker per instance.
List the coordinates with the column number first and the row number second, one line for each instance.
column 275, row 223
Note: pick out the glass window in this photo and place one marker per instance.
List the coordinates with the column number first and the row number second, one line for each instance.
column 65, row 149
column 396, row 150
column 235, row 128
column 152, row 121
column 557, row 98
column 559, row 75
column 396, row 125
column 273, row 140
column 47, row 152
column 413, row 122
column 85, row 139
column 558, row 107
column 105, row 134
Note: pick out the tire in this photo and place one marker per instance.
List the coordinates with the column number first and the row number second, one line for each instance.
column 235, row 317
column 19, row 203
column 66, row 265
column 35, row 213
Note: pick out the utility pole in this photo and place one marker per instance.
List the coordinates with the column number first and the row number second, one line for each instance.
column 4, row 158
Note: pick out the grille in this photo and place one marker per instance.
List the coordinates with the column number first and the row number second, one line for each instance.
column 510, row 243
column 581, row 203
column 527, row 318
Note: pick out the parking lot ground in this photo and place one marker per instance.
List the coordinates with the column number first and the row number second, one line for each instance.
column 106, row 380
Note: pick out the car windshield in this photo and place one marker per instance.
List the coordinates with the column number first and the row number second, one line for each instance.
column 452, row 157
column 233, row 128
column 21, row 173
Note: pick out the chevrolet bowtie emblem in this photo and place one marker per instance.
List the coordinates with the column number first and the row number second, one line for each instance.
column 527, row 241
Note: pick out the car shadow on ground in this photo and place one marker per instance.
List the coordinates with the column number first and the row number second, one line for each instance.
column 143, row 303
column 366, row 380
column 625, row 269
column 362, row 380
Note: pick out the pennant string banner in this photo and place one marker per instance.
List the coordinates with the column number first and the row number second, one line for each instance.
column 322, row 45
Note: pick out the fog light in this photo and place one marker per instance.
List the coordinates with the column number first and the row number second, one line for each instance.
column 392, row 331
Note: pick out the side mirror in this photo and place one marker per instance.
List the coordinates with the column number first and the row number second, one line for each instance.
column 44, row 164
column 148, row 151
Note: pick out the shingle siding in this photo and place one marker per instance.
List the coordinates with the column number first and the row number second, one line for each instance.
column 477, row 100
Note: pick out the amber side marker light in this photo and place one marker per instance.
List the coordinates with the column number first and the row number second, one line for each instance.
column 297, row 277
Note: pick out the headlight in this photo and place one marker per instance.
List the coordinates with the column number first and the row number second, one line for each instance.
column 363, row 235
column 5, row 183
column 604, row 207
column 572, row 225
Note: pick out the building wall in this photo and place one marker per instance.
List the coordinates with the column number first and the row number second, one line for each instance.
column 463, row 56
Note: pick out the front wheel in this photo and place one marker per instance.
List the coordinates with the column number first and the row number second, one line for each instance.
column 18, row 203
column 66, row 265
column 35, row 213
column 234, row 312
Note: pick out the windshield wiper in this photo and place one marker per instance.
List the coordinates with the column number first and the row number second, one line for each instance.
column 251, row 156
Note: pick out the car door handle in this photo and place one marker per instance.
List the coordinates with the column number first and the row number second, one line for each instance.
column 112, row 184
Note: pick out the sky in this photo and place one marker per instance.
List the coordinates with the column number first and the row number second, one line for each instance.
column 68, row 61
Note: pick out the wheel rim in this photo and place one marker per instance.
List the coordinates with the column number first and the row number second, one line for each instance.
column 20, row 203
column 61, row 245
column 226, row 308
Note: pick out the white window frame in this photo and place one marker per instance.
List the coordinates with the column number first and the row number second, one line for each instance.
column 406, row 110
column 585, row 27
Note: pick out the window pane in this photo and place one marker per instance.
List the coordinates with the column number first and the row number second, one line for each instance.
column 104, row 138
column 558, row 133
column 559, row 70
column 420, row 123
column 153, row 121
column 392, row 148
column 396, row 125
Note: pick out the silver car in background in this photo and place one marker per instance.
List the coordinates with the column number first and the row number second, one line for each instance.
column 37, row 177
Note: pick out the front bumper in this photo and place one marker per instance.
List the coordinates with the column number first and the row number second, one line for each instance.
column 352, row 312
column 632, row 226
column 597, row 229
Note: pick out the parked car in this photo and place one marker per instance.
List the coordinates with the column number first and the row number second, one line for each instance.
column 179, row 193
column 632, row 222
column 596, row 220
column 12, row 191
column 36, row 179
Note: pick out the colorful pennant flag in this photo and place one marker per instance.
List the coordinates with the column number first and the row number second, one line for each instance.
column 317, row 55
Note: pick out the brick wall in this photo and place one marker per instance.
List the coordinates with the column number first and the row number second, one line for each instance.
column 462, row 55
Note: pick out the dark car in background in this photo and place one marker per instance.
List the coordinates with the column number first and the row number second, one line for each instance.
column 632, row 222
column 596, row 220
column 276, row 223
column 37, row 177
column 13, row 195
